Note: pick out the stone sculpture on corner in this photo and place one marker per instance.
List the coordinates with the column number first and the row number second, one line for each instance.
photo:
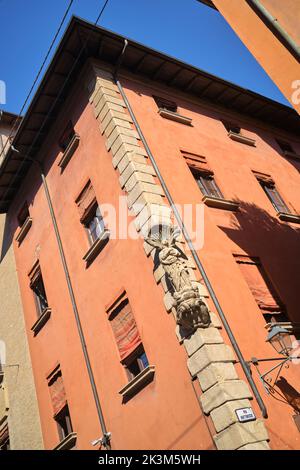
column 191, row 311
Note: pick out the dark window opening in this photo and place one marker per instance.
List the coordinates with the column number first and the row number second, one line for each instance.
column 274, row 196
column 231, row 127
column 94, row 224
column 4, row 444
column 206, row 183
column 136, row 363
column 64, row 424
column 23, row 215
column 285, row 146
column 162, row 103
column 67, row 136
column 39, row 294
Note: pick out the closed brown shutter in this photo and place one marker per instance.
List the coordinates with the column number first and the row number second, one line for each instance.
column 197, row 162
column 86, row 200
column 57, row 391
column 125, row 329
column 259, row 285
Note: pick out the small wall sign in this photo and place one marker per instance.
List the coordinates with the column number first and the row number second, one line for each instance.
column 245, row 414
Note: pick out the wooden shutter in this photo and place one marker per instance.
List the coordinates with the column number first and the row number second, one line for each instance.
column 124, row 328
column 259, row 285
column 86, row 200
column 57, row 391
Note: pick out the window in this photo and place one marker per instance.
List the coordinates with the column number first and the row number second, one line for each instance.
column 4, row 437
column 273, row 195
column 232, row 127
column 94, row 224
column 61, row 411
column 131, row 350
column 136, row 364
column 64, row 424
column 285, row 146
column 90, row 214
column 38, row 288
column 162, row 103
column 23, row 215
column 25, row 222
column 207, row 184
column 66, row 136
column 261, row 288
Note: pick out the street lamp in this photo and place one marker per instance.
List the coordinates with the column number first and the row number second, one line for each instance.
column 280, row 339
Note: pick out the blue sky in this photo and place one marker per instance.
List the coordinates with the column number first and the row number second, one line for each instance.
column 185, row 29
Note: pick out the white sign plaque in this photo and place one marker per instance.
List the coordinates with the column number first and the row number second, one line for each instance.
column 245, row 414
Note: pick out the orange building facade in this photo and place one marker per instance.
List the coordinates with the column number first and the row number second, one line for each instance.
column 107, row 357
column 270, row 30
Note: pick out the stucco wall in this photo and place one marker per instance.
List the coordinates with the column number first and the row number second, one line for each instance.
column 23, row 415
column 272, row 54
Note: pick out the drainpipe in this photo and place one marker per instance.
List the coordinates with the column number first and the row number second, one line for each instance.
column 185, row 233
column 105, row 439
column 274, row 24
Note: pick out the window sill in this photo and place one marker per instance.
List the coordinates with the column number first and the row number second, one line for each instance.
column 136, row 384
column 68, row 442
column 66, row 157
column 41, row 321
column 294, row 218
column 96, row 247
column 293, row 155
column 220, row 203
column 241, row 138
column 24, row 230
column 174, row 116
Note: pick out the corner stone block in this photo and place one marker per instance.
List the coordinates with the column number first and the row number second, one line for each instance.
column 215, row 373
column 121, row 139
column 128, row 149
column 200, row 337
column 225, row 415
column 152, row 210
column 110, row 107
column 130, row 157
column 112, row 124
column 141, row 188
column 134, row 168
column 207, row 355
column 223, row 392
column 145, row 198
column 215, row 321
column 136, row 178
column 120, row 132
column 111, row 114
column 240, row 434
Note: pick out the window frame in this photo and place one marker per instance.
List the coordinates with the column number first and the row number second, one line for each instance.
column 64, row 414
column 269, row 188
column 135, row 358
column 89, row 218
column 199, row 176
column 165, row 104
column 38, row 302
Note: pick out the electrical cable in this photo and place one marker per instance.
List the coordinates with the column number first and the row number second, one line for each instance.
column 36, row 78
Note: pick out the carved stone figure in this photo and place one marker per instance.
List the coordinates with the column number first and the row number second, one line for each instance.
column 191, row 311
